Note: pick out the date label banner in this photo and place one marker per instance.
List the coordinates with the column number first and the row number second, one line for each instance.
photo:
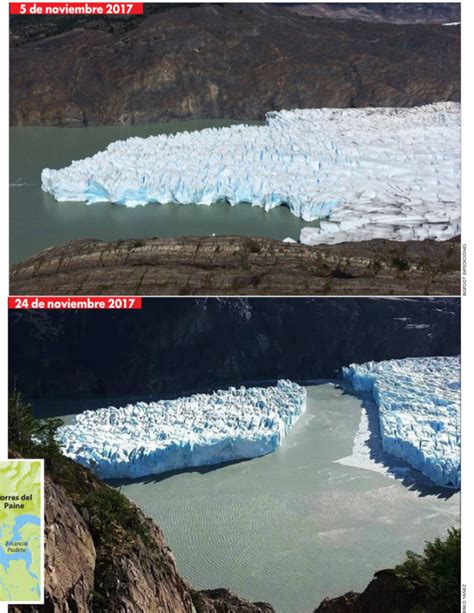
column 74, row 302
column 76, row 8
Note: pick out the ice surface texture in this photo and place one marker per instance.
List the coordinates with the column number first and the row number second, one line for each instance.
column 376, row 173
column 419, row 411
column 203, row 429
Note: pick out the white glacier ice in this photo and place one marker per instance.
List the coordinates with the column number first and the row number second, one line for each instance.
column 418, row 402
column 371, row 173
column 199, row 430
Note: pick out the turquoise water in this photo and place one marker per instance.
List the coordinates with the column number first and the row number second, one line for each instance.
column 296, row 525
column 37, row 221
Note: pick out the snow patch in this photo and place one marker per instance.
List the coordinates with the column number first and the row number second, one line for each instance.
column 361, row 452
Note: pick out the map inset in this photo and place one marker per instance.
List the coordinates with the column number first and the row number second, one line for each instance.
column 21, row 533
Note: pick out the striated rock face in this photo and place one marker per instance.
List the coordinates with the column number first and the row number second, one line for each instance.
column 386, row 592
column 240, row 266
column 195, row 62
column 70, row 555
column 142, row 577
column 98, row 562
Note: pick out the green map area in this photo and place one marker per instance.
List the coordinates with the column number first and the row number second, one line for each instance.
column 21, row 538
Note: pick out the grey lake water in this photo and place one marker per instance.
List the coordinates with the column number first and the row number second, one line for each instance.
column 315, row 518
column 37, row 221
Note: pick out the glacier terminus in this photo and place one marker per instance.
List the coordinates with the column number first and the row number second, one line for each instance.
column 418, row 401
column 199, row 430
column 390, row 173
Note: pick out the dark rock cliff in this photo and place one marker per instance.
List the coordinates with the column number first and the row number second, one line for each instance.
column 230, row 60
column 386, row 592
column 173, row 345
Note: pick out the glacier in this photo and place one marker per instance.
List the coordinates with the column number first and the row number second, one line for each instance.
column 418, row 402
column 365, row 173
column 200, row 430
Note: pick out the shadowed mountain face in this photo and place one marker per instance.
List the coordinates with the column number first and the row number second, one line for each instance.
column 175, row 345
column 233, row 61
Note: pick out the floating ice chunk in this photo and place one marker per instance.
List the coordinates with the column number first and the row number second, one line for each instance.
column 200, row 430
column 386, row 173
column 418, row 400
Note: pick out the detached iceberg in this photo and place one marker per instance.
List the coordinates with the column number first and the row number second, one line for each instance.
column 419, row 411
column 375, row 173
column 203, row 429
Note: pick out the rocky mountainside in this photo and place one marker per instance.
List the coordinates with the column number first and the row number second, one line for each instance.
column 26, row 29
column 102, row 555
column 172, row 346
column 382, row 12
column 240, row 266
column 229, row 60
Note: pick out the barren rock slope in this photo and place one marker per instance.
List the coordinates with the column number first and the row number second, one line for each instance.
column 231, row 60
column 240, row 266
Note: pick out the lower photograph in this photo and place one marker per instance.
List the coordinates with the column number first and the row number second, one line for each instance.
column 254, row 455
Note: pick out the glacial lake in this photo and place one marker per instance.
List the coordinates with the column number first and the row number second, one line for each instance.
column 296, row 525
column 37, row 221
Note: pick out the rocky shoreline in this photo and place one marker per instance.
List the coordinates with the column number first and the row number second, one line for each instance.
column 386, row 592
column 231, row 265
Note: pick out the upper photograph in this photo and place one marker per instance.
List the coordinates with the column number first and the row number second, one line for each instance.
column 237, row 149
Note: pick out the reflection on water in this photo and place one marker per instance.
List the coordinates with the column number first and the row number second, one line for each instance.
column 296, row 525
column 37, row 221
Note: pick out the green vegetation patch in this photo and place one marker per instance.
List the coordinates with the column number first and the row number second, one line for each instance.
column 436, row 574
